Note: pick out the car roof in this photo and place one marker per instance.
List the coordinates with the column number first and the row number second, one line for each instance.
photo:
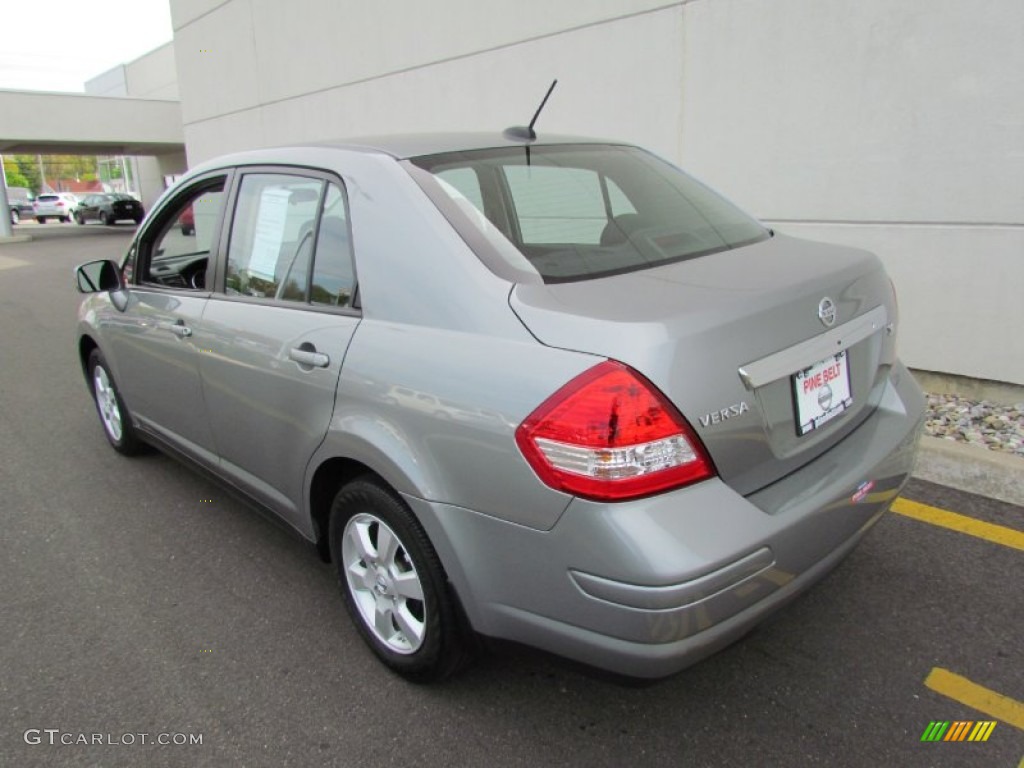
column 404, row 146
column 399, row 146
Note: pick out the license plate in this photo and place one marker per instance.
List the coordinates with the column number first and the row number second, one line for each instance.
column 821, row 392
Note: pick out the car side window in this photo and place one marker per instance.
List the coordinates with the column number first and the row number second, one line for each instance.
column 333, row 275
column 178, row 252
column 272, row 235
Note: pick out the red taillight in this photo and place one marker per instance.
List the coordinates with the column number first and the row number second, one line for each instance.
column 610, row 435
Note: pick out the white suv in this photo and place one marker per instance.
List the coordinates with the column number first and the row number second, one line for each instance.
column 54, row 205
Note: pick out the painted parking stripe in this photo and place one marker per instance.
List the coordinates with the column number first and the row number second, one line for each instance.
column 953, row 686
column 999, row 534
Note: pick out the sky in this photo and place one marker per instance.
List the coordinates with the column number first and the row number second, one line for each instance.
column 56, row 45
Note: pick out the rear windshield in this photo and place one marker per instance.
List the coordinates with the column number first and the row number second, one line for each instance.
column 47, row 198
column 573, row 212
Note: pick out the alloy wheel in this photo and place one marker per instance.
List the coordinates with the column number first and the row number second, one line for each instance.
column 384, row 583
column 106, row 400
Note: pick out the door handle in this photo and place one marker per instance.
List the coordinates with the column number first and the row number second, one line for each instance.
column 179, row 328
column 309, row 357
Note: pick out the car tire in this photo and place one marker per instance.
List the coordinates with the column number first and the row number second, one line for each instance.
column 15, row 216
column 79, row 218
column 114, row 416
column 393, row 584
column 64, row 219
column 105, row 219
column 40, row 219
column 138, row 221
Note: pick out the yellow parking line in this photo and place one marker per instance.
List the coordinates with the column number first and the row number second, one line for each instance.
column 999, row 534
column 993, row 704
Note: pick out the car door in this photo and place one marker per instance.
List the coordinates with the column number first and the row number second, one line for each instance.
column 154, row 345
column 277, row 328
column 87, row 209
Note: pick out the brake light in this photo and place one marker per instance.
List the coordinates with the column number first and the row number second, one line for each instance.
column 610, row 435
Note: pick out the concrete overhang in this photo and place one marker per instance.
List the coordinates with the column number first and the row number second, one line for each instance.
column 71, row 123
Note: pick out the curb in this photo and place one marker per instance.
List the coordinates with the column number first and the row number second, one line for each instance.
column 15, row 239
column 972, row 469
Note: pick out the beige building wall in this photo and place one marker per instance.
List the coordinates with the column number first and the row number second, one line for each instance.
column 152, row 76
column 895, row 126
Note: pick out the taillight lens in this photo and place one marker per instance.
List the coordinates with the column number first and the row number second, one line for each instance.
column 610, row 435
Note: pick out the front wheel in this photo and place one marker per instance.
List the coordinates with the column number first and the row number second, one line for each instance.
column 79, row 218
column 117, row 423
column 15, row 216
column 106, row 219
column 393, row 584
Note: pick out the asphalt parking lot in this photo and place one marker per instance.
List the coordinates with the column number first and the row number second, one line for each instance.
column 140, row 601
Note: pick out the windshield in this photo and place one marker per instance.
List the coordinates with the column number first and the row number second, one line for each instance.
column 582, row 211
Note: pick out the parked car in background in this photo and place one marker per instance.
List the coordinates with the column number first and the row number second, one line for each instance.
column 187, row 222
column 54, row 205
column 549, row 390
column 109, row 208
column 19, row 200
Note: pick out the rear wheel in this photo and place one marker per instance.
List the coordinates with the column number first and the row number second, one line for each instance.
column 79, row 218
column 393, row 584
column 117, row 423
column 64, row 219
column 41, row 219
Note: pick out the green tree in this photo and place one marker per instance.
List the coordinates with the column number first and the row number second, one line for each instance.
column 12, row 171
column 29, row 170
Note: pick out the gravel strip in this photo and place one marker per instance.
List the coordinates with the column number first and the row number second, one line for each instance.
column 983, row 423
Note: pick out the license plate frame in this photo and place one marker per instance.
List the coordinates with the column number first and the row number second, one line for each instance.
column 821, row 392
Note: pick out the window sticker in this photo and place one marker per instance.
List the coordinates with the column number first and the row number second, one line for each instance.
column 270, row 225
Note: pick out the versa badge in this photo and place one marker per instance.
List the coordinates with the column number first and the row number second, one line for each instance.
column 717, row 417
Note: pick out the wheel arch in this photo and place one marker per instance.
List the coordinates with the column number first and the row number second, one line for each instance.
column 86, row 344
column 327, row 480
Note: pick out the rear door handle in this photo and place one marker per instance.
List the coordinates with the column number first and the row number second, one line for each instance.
column 309, row 357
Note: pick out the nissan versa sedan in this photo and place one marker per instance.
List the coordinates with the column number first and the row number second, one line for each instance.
column 548, row 390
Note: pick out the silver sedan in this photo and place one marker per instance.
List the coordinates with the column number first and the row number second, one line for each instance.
column 550, row 390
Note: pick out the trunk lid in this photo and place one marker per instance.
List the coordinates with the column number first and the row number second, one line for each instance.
column 723, row 335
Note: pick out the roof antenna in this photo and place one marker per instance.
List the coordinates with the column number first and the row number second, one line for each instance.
column 526, row 133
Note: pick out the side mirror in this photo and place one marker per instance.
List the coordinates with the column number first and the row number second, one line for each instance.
column 98, row 276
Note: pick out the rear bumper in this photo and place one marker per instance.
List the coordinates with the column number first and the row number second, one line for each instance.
column 649, row 587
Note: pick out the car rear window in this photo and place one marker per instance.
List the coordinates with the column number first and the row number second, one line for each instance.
column 47, row 198
column 575, row 212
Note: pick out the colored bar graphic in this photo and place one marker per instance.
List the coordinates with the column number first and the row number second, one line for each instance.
column 958, row 730
column 935, row 730
column 982, row 731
